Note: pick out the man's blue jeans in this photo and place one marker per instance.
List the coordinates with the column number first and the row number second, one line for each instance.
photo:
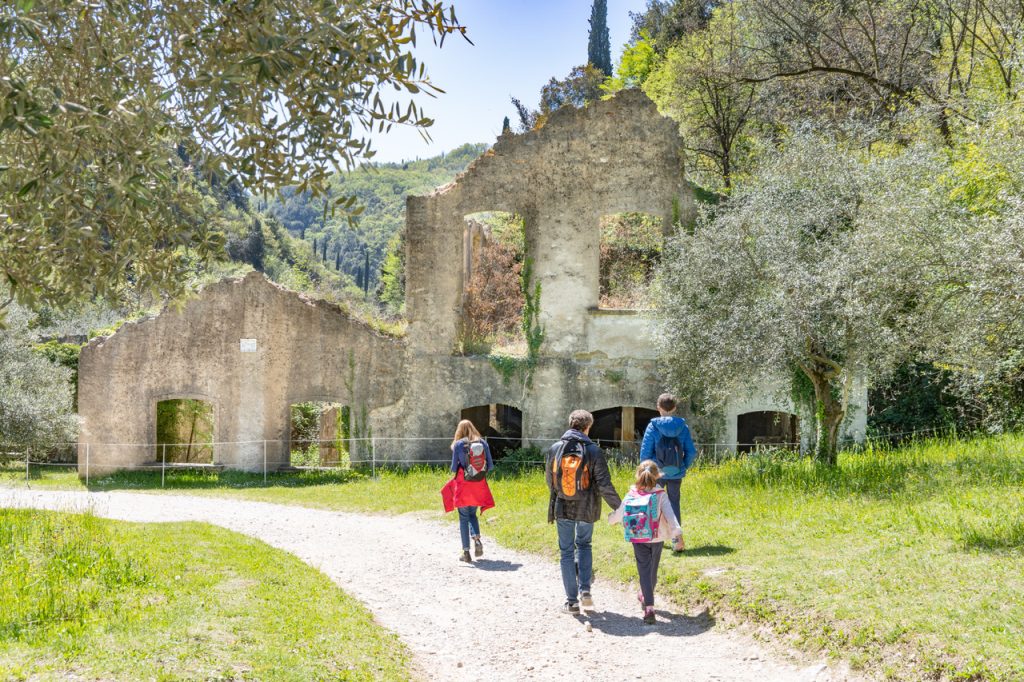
column 577, row 562
column 468, row 519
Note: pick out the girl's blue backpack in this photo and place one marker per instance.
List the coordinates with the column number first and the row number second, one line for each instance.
column 640, row 516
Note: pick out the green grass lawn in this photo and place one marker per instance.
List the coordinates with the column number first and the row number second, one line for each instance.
column 87, row 598
column 909, row 562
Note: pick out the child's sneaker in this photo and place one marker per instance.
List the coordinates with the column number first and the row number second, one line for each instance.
column 649, row 615
column 586, row 601
column 478, row 547
column 465, row 557
column 571, row 607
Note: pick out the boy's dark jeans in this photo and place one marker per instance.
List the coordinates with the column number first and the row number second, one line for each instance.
column 671, row 486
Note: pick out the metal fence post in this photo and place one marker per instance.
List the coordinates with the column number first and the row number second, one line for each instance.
column 87, row 465
column 373, row 456
column 26, row 466
column 264, row 462
column 163, row 466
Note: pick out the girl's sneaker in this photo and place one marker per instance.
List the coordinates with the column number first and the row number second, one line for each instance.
column 478, row 547
column 465, row 557
column 649, row 615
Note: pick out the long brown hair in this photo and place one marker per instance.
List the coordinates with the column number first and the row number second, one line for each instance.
column 647, row 475
column 465, row 431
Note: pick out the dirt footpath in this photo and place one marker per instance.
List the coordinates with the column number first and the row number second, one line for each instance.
column 494, row 620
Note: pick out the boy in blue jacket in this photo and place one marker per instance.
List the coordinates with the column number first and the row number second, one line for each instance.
column 668, row 442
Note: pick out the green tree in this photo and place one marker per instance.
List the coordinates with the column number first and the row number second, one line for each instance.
column 96, row 95
column 599, row 48
column 699, row 83
column 804, row 270
column 638, row 60
column 35, row 393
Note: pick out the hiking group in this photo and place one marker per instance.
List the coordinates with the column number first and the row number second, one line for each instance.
column 578, row 479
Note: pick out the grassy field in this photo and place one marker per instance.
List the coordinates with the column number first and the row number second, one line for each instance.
column 907, row 562
column 86, row 598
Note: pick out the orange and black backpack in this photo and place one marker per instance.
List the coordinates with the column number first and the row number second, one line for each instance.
column 570, row 469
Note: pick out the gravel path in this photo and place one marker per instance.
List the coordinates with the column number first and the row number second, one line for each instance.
column 493, row 620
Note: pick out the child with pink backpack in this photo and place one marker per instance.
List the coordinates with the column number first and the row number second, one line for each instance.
column 648, row 521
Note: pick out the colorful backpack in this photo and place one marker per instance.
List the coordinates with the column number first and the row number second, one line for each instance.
column 640, row 517
column 570, row 470
column 476, row 461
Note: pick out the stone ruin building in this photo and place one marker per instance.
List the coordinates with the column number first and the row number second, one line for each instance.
column 251, row 349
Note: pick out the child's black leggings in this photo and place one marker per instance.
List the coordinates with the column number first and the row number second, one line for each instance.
column 648, row 556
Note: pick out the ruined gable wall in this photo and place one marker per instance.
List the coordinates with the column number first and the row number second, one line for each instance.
column 611, row 156
column 306, row 350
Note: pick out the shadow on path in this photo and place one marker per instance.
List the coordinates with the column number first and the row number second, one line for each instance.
column 496, row 565
column 668, row 625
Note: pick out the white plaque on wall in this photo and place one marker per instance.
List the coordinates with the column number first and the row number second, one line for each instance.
column 247, row 345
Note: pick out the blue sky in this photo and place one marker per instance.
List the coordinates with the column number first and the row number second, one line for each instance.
column 518, row 46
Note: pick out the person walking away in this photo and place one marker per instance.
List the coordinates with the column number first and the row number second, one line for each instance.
column 577, row 476
column 468, row 490
column 667, row 441
column 647, row 522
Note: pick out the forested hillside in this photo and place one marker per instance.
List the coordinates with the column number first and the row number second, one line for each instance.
column 361, row 249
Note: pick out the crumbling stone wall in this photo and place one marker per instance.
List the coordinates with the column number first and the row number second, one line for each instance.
column 610, row 157
column 613, row 156
column 305, row 350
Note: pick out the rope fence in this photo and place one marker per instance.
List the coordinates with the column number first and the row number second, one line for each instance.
column 284, row 457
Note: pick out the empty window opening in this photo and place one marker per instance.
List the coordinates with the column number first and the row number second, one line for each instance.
column 621, row 428
column 494, row 249
column 321, row 435
column 631, row 245
column 184, row 431
column 757, row 430
column 501, row 425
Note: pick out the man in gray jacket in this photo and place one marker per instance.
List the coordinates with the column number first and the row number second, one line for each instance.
column 578, row 477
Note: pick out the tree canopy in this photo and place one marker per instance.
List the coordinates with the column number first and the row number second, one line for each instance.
column 96, row 97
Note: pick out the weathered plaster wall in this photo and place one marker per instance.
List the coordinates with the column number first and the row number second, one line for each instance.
column 612, row 156
column 305, row 350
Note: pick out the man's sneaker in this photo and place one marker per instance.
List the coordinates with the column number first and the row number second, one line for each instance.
column 640, row 598
column 478, row 547
column 586, row 601
column 465, row 557
column 571, row 607
column 649, row 615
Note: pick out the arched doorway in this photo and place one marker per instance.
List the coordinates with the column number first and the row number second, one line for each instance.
column 767, row 428
column 621, row 428
column 501, row 425
column 184, row 431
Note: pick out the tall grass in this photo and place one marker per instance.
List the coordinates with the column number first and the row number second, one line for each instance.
column 57, row 573
column 87, row 598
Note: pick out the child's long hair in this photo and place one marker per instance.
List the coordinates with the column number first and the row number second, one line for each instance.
column 647, row 475
column 465, row 431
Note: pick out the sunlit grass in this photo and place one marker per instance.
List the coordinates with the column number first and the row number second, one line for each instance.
column 86, row 598
column 907, row 560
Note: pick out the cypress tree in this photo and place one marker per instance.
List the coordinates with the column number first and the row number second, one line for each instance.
column 366, row 272
column 599, row 48
column 505, row 125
